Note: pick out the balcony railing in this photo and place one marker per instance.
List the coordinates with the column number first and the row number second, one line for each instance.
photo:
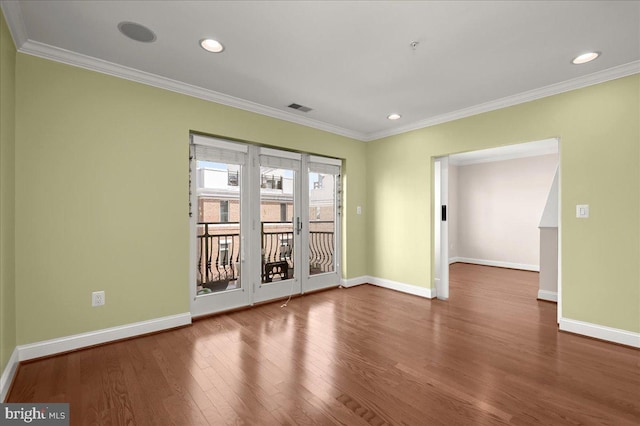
column 321, row 247
column 219, row 252
column 270, row 182
column 277, row 250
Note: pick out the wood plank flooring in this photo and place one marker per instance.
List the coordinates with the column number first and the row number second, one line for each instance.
column 360, row 356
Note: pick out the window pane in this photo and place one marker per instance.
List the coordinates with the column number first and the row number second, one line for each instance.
column 218, row 228
column 276, row 225
column 322, row 215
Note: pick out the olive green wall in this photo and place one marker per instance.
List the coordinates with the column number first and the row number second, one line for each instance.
column 599, row 133
column 102, row 195
column 7, row 178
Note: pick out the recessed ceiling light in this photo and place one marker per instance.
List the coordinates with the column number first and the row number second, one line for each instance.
column 136, row 32
column 585, row 57
column 211, row 45
column 393, row 116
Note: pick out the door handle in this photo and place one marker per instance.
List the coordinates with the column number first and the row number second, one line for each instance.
column 298, row 226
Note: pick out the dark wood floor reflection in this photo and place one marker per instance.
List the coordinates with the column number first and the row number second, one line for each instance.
column 490, row 355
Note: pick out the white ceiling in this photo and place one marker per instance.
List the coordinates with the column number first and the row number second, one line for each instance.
column 508, row 152
column 351, row 61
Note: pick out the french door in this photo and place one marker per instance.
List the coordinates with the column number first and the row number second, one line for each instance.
column 321, row 205
column 278, row 251
column 265, row 224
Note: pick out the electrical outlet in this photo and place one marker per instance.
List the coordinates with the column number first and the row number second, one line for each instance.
column 97, row 298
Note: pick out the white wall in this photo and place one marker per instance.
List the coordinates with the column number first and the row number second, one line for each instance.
column 452, row 211
column 548, row 279
column 499, row 206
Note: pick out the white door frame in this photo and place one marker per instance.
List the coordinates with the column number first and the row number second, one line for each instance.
column 326, row 279
column 441, row 254
column 278, row 289
column 252, row 289
column 229, row 299
column 441, row 226
column 559, row 301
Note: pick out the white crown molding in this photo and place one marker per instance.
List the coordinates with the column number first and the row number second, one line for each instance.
column 105, row 67
column 504, row 153
column 531, row 95
column 13, row 14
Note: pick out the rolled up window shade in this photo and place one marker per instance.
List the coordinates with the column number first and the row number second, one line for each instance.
column 280, row 159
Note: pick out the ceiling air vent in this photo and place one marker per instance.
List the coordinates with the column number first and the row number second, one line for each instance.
column 300, row 107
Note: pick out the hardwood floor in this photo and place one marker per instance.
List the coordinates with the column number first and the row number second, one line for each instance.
column 365, row 355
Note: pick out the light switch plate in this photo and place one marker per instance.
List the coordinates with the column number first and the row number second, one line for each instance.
column 582, row 211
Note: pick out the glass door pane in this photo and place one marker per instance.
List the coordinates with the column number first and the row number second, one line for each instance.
column 258, row 233
column 218, row 227
column 277, row 224
column 322, row 222
column 322, row 230
column 218, row 202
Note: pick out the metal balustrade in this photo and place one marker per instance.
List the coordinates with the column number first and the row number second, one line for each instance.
column 321, row 252
column 219, row 252
column 277, row 250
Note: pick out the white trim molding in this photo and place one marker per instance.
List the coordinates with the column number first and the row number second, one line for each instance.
column 613, row 73
column 352, row 282
column 415, row 290
column 8, row 374
column 15, row 21
column 549, row 296
column 68, row 57
column 602, row 332
column 497, row 263
column 83, row 340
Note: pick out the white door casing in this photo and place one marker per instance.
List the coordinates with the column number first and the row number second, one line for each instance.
column 254, row 288
column 441, row 227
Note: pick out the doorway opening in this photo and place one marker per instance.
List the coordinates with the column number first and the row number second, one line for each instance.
column 488, row 206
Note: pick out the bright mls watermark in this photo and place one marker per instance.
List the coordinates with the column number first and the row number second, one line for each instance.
column 34, row 414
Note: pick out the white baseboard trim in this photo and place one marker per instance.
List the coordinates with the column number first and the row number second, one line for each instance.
column 551, row 296
column 352, row 282
column 8, row 373
column 498, row 263
column 601, row 332
column 78, row 341
column 403, row 288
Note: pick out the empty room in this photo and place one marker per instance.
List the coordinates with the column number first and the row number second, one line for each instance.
column 273, row 212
